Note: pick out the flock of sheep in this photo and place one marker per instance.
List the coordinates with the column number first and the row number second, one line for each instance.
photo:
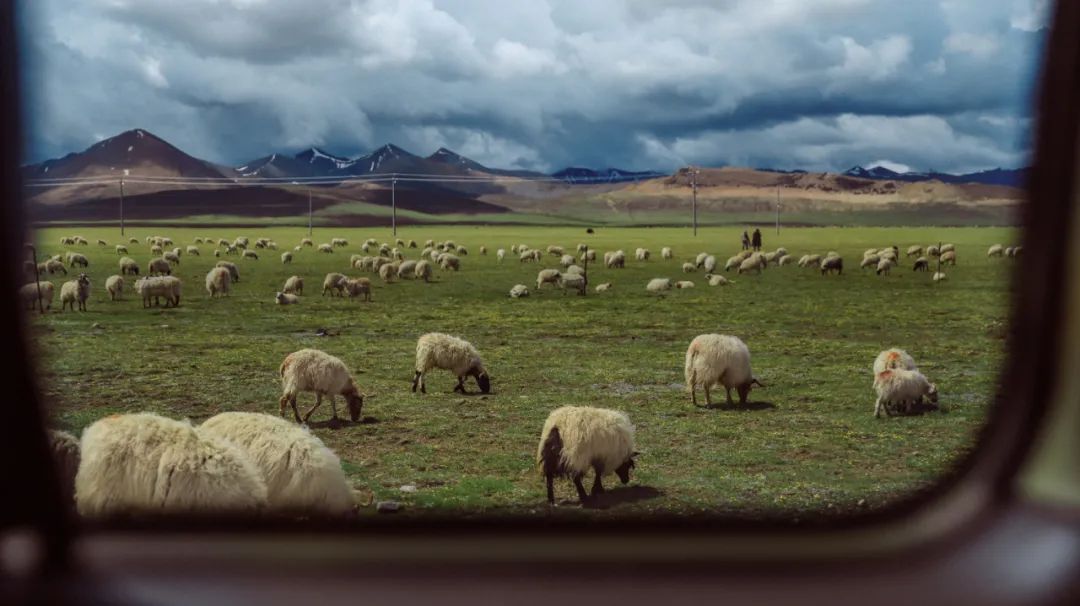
column 247, row 461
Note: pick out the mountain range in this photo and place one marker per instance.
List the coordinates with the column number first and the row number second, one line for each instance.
column 996, row 176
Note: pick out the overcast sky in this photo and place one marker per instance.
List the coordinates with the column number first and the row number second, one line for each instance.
column 542, row 84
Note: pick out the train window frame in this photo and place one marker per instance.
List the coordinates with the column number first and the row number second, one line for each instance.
column 984, row 485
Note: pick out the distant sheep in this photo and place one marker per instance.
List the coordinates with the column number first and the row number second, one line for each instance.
column 571, row 281
column 575, row 269
column 424, row 271
column 753, row 263
column 358, row 287
column 700, row 259
column 500, row 254
column 294, row 285
column 78, row 260
column 684, row 284
column 689, row 268
column 437, row 350
column 388, row 271
column 709, row 265
column 932, row 251
column 658, row 285
column 921, row 264
column 567, row 260
column 326, row 248
column 947, row 247
column 52, row 266
column 939, row 276
column 193, row 250
column 831, row 264
column 282, row 298
column 407, row 269
column 306, row 242
column 448, row 261
column 174, row 258
column 75, row 292
column 234, row 271
column 884, row 266
column 217, row 281
column 577, row 439
column 785, row 260
column 156, row 287
column 301, row 474
column 311, row 370
column 547, row 276
column 717, row 280
column 342, row 242
column 665, row 253
column 732, row 263
column 518, row 291
column 334, row 283
column 617, row 260
column 642, row 254
column 715, row 359
column 114, row 285
column 286, row 257
column 870, row 261
column 914, row 250
column 128, row 266
column 948, row 257
column 121, row 249
column 144, row 463
column 902, row 388
column 250, row 254
column 604, row 287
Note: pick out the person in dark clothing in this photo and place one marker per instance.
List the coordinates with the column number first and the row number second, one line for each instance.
column 745, row 240
column 757, row 239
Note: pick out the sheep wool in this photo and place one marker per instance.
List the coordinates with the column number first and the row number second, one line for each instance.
column 114, row 285
column 311, row 370
column 75, row 292
column 576, row 439
column 282, row 298
column 335, row 283
column 665, row 253
column 893, row 358
column 294, row 285
column 29, row 294
column 144, row 463
column 658, row 285
column 438, row 350
column 128, row 266
column 715, row 359
column 684, row 284
column 302, row 475
column 424, row 271
column 939, row 276
column 159, row 286
column 569, row 281
column 902, row 388
column 66, row 454
column 217, row 281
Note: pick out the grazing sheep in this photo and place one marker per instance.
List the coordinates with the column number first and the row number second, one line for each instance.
column 282, row 298
column 947, row 247
column 326, row 248
column 932, row 251
column 232, row 250
column 342, row 242
column 193, row 250
column 555, row 251
column 483, row 250
column 156, row 250
column 658, row 285
column 500, row 254
column 424, row 271
column 518, row 291
column 387, row 272
column 902, row 388
column 665, row 253
column 311, row 370
column 785, row 260
column 121, row 249
column 642, row 254
column 604, row 287
column 576, row 439
column 884, row 266
column 250, row 254
column 948, row 257
column 567, row 260
column 770, row 257
column 128, row 266
column 29, row 294
column 921, row 264
column 689, row 268
column 335, row 283
column 159, row 286
column 306, row 242
column 358, row 287
column 700, row 259
column 66, row 455
column 294, row 286
column 74, row 292
column 810, row 261
column 709, row 265
column 914, row 250
column 715, row 359
column 831, row 264
column 217, row 281
column 78, row 259
column 589, row 255
column 891, row 359
column 174, row 259
column 547, row 276
column 1008, row 251
column 52, row 266
column 437, row 350
column 302, row 475
column 144, row 463
column 717, row 280
column 1017, row 250
column 569, row 281
column 406, row 270
column 780, row 252
column 684, row 284
column 939, row 276
column 412, row 244
column 732, row 263
column 870, row 261
column 754, row 262
column 448, row 261
column 234, row 271
column 133, row 241
column 286, row 257
column 617, row 260
column 114, row 285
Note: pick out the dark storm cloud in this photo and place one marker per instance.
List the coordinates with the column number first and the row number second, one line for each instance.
column 632, row 83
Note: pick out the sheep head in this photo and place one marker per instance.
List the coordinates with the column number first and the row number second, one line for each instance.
column 744, row 389
column 623, row 471
column 355, row 402
column 483, row 380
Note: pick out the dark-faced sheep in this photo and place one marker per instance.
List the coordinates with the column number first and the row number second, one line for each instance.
column 577, row 439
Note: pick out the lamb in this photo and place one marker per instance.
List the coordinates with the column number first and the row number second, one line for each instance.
column 448, row 261
column 66, row 455
column 286, row 257
column 948, row 257
column 144, row 463
column 333, row 282
column 234, row 271
column 715, row 359
column 326, row 248
column 250, row 254
column 29, row 294
column 939, row 276
column 665, row 253
column 437, row 350
column 884, row 266
column 121, row 249
column 311, row 370
column 193, row 250
column 74, row 292
column 576, row 439
column 424, row 270
column 716, row 280
column 407, row 269
column 294, row 285
column 302, row 475
column 921, row 264
column 689, row 268
column 658, row 285
column 114, row 285
column 831, row 264
column 684, row 284
column 547, row 276
column 642, row 254
column 356, row 287
column 518, row 291
column 604, row 287
column 282, row 298
column 570, row 281
column 904, row 388
column 217, row 281
column 159, row 286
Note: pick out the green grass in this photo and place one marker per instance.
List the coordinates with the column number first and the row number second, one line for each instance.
column 808, row 444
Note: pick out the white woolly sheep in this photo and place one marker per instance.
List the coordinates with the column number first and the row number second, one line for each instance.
column 77, row 259
column 576, row 439
column 234, row 271
column 74, row 292
column 29, row 294
column 939, row 276
column 753, row 263
column 334, row 282
column 294, row 285
column 684, row 284
column 121, row 249
column 311, row 370
column 717, row 280
column 555, row 251
column 709, row 265
column 870, row 261
column 66, row 454
column 604, row 287
column 575, row 269
column 217, row 281
column 617, row 260
column 569, row 281
column 358, row 287
column 500, row 254
column 342, row 242
column 831, row 264
column 932, row 251
column 156, row 250
column 407, row 269
column 193, row 250
column 250, row 254
column 438, row 350
column 448, row 261
column 914, row 250
column 948, row 257
column 326, row 248
column 921, row 264
column 518, row 291
column 589, row 255
column 785, row 260
column 282, row 298
column 547, row 276
column 286, row 257
column 424, row 271
column 144, row 463
column 567, row 260
column 642, row 254
column 306, row 242
column 114, row 285
column 891, row 359
column 174, row 258
column 665, row 253
column 732, row 263
column 301, row 474
column 902, row 388
column 700, row 259
column 52, row 266
column 689, row 268
column 715, row 359
column 388, row 271
column 159, row 286
column 884, row 266
column 947, row 247
column 658, row 285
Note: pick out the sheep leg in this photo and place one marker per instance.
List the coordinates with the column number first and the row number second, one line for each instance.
column 597, row 487
column 418, row 381
column 318, row 402
column 708, row 396
column 729, row 402
column 460, row 387
column 693, row 394
column 295, row 411
column 877, row 408
column 582, row 495
column 550, row 487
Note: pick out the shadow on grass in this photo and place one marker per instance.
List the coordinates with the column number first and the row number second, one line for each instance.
column 747, row 406
column 623, row 495
column 341, row 423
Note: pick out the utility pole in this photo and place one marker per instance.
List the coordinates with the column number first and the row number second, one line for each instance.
column 393, row 203
column 121, row 206
column 37, row 280
column 693, row 187
column 778, row 210
column 309, row 213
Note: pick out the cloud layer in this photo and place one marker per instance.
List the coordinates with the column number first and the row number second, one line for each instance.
column 819, row 85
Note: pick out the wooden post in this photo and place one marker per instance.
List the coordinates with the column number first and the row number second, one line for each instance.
column 37, row 279
column 585, row 271
column 309, row 213
column 393, row 204
column 121, row 206
column 693, row 187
